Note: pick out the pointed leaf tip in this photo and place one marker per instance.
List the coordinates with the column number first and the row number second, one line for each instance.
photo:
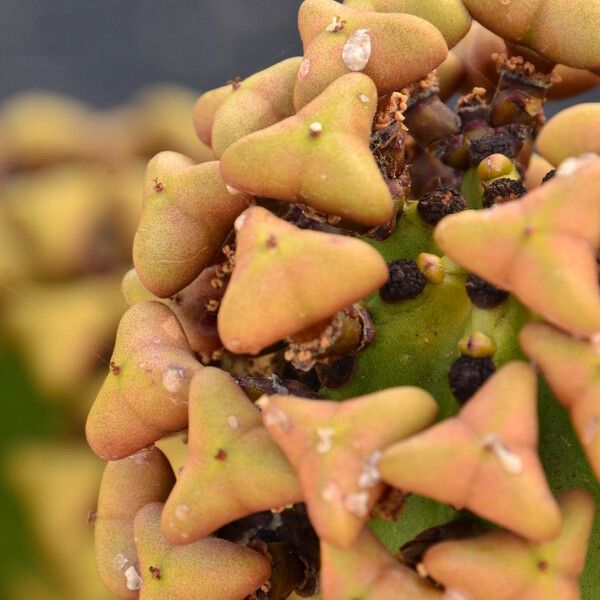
column 144, row 395
column 233, row 468
column 484, row 459
column 187, row 213
column 366, row 570
column 572, row 368
column 195, row 306
column 393, row 49
column 287, row 279
column 205, row 570
column 514, row 567
column 319, row 157
column 204, row 111
column 564, row 31
column 335, row 448
column 451, row 17
column 571, row 132
column 259, row 101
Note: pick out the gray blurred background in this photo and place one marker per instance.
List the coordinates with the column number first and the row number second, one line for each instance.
column 102, row 51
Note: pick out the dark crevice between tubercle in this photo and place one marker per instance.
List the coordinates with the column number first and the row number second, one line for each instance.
column 256, row 387
column 338, row 372
column 428, row 172
column 391, row 504
column 329, row 347
column 304, row 217
column 483, row 294
column 412, row 553
column 288, row 537
column 478, row 138
column 548, row 176
column 388, row 147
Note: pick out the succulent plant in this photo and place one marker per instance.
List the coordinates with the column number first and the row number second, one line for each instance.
column 361, row 262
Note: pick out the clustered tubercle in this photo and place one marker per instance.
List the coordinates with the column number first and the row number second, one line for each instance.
column 358, row 260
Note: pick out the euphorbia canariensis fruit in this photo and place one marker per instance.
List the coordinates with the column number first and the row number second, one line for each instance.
column 392, row 49
column 145, row 393
column 299, row 278
column 572, row 368
column 127, row 486
column 187, row 213
column 573, row 131
column 205, row 570
column 508, row 566
column 255, row 103
column 367, row 570
column 450, row 17
column 318, row 157
column 563, row 31
column 484, row 459
column 233, row 467
column 543, row 248
column 340, row 480
column 356, row 265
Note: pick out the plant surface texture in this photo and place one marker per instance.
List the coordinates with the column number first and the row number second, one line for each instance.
column 361, row 356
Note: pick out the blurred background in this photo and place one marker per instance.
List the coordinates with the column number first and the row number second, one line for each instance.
column 80, row 114
column 103, row 52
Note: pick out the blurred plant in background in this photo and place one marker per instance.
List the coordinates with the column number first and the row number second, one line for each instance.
column 70, row 197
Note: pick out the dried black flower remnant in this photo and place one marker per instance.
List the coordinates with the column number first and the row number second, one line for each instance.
column 503, row 190
column 405, row 281
column 468, row 374
column 484, row 294
column 437, row 204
